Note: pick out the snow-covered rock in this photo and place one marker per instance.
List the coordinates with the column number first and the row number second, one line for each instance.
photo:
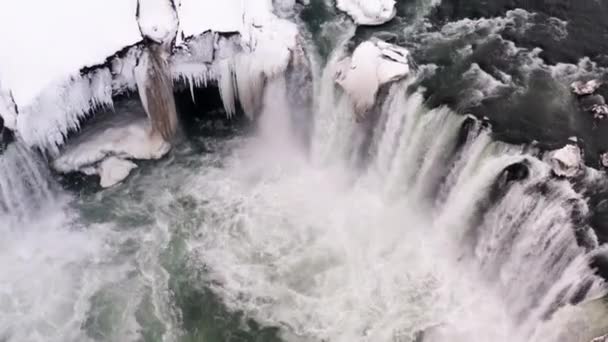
column 585, row 88
column 600, row 339
column 372, row 64
column 114, row 170
column 368, row 12
column 157, row 20
column 567, row 161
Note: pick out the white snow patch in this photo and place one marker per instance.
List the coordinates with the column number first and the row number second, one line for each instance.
column 157, row 20
column 567, row 161
column 114, row 170
column 368, row 12
column 126, row 140
column 585, row 88
column 198, row 16
column 44, row 41
column 373, row 64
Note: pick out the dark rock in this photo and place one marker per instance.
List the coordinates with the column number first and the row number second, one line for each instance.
column 599, row 263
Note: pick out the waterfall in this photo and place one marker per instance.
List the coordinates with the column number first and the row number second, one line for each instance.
column 25, row 185
column 413, row 222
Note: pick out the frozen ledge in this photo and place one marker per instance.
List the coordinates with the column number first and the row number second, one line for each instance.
column 373, row 64
column 107, row 148
column 368, row 12
column 257, row 48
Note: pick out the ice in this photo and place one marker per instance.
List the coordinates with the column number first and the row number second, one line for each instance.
column 114, row 170
column 54, row 94
column 196, row 16
column 61, row 106
column 373, row 64
column 57, row 38
column 368, row 12
column 157, row 20
column 120, row 136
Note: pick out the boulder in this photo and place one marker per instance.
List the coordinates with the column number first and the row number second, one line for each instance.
column 372, row 64
column 585, row 88
column 114, row 170
column 567, row 161
column 600, row 112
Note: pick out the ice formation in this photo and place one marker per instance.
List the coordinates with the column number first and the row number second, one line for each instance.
column 567, row 161
column 372, row 64
column 105, row 149
column 368, row 12
column 55, row 95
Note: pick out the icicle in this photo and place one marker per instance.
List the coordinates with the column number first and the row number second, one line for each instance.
column 226, row 86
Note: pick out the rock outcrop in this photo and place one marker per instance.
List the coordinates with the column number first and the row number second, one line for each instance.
column 373, row 64
column 567, row 161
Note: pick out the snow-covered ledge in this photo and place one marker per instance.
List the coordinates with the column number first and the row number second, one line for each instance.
column 373, row 64
column 368, row 12
column 111, row 47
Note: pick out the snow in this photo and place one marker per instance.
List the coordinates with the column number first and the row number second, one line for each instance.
column 372, row 64
column 45, row 42
column 198, row 16
column 42, row 68
column 157, row 20
column 7, row 109
column 567, row 161
column 368, row 12
column 114, row 170
column 585, row 88
column 105, row 147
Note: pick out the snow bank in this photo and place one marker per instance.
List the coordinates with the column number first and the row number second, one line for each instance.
column 368, row 12
column 372, row 64
column 45, row 42
column 196, row 16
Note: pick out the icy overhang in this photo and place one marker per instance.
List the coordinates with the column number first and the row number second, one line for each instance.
column 44, row 41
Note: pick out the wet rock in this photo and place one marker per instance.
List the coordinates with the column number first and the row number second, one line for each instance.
column 567, row 161
column 604, row 159
column 600, row 112
column 585, row 88
column 517, row 171
column 599, row 263
column 6, row 135
column 587, row 102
